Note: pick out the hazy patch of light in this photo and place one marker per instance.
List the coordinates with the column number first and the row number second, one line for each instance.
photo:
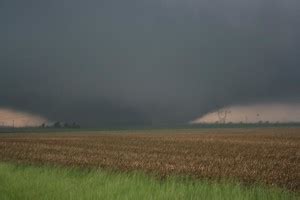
column 13, row 118
column 273, row 112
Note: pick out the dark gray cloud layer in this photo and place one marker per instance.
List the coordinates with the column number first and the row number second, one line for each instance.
column 114, row 62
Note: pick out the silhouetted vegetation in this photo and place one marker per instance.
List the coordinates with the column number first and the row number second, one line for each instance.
column 57, row 125
column 60, row 125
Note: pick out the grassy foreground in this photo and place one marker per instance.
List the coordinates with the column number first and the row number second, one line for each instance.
column 28, row 182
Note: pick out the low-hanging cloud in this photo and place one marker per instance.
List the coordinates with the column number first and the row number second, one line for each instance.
column 112, row 62
column 255, row 113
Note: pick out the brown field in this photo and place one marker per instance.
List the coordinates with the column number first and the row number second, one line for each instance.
column 270, row 156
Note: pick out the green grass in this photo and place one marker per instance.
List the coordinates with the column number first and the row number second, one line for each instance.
column 29, row 182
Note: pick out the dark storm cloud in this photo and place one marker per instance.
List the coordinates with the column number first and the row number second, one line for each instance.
column 136, row 62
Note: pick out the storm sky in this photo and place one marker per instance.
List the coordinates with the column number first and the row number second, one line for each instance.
column 135, row 62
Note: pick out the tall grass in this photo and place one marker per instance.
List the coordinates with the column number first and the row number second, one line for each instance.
column 28, row 182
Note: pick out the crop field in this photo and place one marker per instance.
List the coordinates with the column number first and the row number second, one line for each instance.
column 269, row 156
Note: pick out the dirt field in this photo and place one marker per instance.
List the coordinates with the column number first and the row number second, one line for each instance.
column 271, row 156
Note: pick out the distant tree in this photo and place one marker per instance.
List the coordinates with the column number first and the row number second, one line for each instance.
column 66, row 125
column 57, row 125
column 74, row 125
column 43, row 125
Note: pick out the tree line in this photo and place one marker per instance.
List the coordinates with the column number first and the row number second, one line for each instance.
column 61, row 125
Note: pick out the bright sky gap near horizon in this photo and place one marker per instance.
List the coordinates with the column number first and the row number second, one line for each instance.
column 119, row 63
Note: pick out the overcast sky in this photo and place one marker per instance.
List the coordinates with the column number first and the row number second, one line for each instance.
column 109, row 62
